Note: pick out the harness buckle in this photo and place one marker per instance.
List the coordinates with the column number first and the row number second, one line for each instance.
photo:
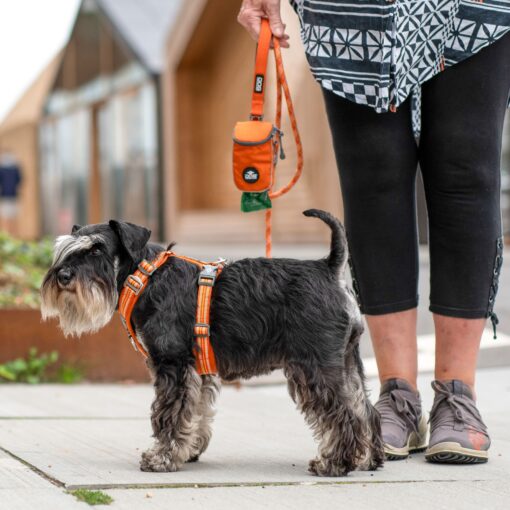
column 207, row 276
column 137, row 286
column 202, row 325
column 143, row 270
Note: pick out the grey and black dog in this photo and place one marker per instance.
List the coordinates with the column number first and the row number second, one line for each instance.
column 296, row 315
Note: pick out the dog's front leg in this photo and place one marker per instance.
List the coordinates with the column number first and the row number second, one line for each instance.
column 175, row 419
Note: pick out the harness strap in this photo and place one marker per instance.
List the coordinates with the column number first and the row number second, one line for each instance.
column 133, row 286
column 137, row 282
column 259, row 80
column 204, row 355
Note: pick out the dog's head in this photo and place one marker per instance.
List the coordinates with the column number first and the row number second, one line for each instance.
column 89, row 267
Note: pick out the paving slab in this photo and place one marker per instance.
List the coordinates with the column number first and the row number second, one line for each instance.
column 423, row 496
column 103, row 401
column 23, row 489
column 259, row 438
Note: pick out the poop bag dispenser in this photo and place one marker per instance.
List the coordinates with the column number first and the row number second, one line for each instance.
column 255, row 151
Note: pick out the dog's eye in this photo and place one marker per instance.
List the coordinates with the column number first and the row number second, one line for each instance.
column 95, row 251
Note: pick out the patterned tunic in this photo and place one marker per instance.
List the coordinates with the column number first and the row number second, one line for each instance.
column 378, row 52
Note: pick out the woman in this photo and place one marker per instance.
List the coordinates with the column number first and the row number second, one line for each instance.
column 377, row 60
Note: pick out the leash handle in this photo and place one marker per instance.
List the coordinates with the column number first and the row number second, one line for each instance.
column 259, row 80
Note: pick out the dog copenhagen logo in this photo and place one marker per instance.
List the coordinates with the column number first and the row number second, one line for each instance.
column 250, row 175
column 259, row 83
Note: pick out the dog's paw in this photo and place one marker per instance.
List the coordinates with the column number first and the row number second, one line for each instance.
column 371, row 461
column 325, row 467
column 158, row 462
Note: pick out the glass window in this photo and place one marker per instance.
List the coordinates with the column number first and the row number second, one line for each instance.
column 65, row 161
column 128, row 157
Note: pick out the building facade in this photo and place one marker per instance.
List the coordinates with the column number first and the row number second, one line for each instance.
column 101, row 134
column 133, row 120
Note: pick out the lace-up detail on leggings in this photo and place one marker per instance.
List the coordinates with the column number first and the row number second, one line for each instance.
column 498, row 262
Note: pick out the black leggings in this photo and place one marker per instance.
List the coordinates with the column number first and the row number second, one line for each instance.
column 459, row 154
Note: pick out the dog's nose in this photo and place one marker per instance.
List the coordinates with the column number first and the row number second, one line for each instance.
column 64, row 276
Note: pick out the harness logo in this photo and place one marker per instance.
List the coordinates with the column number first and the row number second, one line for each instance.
column 259, row 83
column 250, row 175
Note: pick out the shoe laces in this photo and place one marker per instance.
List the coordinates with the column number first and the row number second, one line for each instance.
column 462, row 409
column 394, row 407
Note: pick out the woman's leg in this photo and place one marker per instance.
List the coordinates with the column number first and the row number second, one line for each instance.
column 394, row 340
column 463, row 110
column 457, row 346
column 377, row 160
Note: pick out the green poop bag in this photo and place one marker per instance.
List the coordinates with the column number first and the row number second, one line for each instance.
column 255, row 201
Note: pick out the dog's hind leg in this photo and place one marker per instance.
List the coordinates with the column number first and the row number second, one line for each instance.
column 208, row 393
column 331, row 413
column 175, row 419
column 366, row 414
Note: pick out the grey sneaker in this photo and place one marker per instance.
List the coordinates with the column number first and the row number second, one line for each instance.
column 404, row 428
column 458, row 434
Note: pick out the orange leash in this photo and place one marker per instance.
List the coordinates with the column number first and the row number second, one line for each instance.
column 265, row 38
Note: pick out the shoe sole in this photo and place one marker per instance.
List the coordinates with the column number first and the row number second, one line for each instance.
column 454, row 453
column 416, row 443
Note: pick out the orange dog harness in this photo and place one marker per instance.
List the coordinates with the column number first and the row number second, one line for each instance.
column 136, row 283
column 257, row 143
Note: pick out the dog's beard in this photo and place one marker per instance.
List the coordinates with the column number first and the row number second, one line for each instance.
column 84, row 310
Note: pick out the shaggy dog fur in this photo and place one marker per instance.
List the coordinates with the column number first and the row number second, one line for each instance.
column 296, row 315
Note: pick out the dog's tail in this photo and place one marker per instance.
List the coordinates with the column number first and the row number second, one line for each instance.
column 338, row 254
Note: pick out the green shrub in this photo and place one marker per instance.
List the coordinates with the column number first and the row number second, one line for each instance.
column 22, row 268
column 31, row 370
column 67, row 374
column 36, row 368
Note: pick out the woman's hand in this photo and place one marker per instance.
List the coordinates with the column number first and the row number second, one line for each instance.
column 252, row 11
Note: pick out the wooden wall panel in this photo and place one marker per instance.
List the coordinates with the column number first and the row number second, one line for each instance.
column 212, row 91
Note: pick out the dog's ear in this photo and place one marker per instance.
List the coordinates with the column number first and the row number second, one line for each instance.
column 132, row 237
column 75, row 229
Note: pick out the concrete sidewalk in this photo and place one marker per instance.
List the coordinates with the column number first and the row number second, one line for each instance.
column 57, row 438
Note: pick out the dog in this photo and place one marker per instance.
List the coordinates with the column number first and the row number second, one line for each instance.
column 266, row 314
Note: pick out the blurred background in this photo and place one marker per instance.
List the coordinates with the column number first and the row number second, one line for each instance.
column 125, row 109
column 132, row 118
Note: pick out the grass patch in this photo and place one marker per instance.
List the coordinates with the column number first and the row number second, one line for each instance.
column 92, row 497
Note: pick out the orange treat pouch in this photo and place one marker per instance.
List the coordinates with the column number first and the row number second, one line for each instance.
column 255, row 150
